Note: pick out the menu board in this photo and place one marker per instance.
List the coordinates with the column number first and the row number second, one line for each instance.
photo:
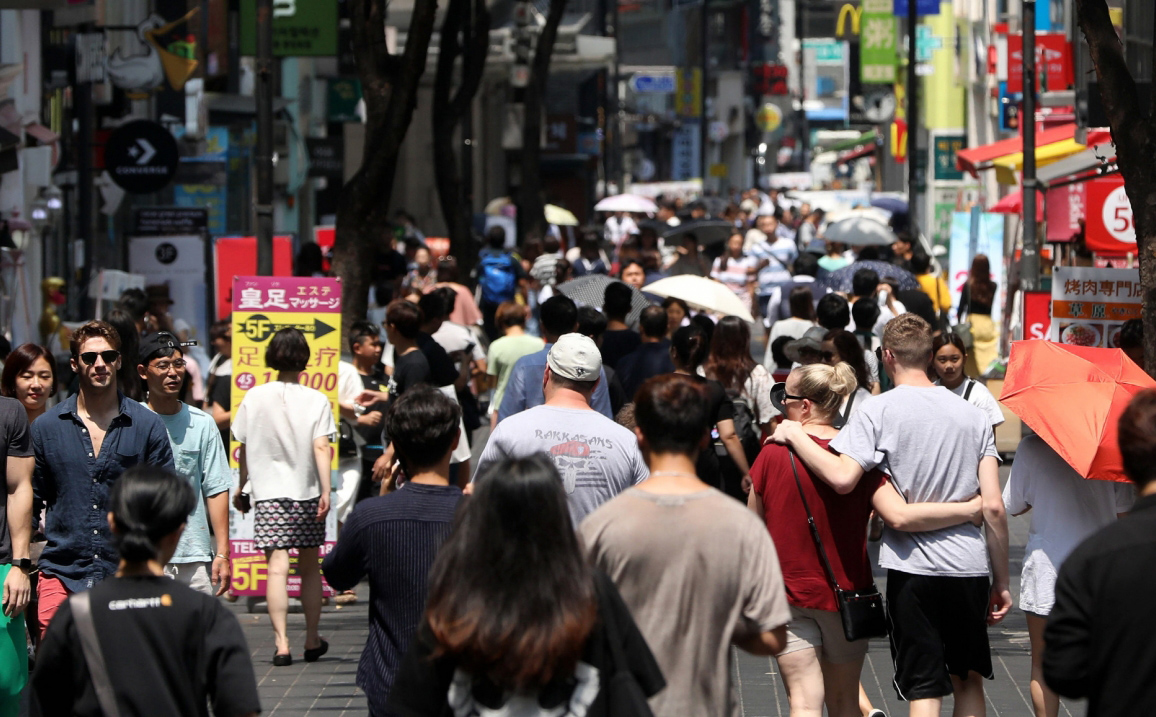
column 1090, row 305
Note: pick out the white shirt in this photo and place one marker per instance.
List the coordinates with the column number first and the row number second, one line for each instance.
column 793, row 327
column 981, row 398
column 278, row 423
column 1066, row 509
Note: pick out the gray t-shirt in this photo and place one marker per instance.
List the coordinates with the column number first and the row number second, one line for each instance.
column 596, row 457
column 930, row 442
column 697, row 571
column 15, row 442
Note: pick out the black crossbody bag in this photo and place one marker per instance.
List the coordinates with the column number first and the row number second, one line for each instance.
column 863, row 613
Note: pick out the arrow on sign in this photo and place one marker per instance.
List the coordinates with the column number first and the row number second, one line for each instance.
column 149, row 151
column 260, row 327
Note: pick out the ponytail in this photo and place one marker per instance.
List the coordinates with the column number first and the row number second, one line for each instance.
column 826, row 386
column 147, row 504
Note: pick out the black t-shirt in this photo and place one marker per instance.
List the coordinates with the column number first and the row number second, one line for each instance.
column 15, row 442
column 719, row 408
column 169, row 651
column 221, row 395
column 408, row 371
column 423, row 682
column 646, row 361
column 616, row 343
column 442, row 371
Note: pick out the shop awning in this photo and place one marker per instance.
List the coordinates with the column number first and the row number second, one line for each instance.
column 1007, row 166
column 1094, row 158
column 1014, row 204
column 974, row 159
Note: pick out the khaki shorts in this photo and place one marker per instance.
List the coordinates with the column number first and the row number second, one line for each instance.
column 822, row 631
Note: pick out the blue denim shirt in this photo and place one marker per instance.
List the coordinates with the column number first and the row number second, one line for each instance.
column 524, row 389
column 74, row 485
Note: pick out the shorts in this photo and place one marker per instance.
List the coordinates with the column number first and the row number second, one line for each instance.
column 50, row 595
column 823, row 631
column 197, row 575
column 938, row 629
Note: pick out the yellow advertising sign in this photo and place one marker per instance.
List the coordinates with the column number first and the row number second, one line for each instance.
column 688, row 92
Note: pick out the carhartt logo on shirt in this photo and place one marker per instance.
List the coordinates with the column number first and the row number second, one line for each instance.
column 165, row 600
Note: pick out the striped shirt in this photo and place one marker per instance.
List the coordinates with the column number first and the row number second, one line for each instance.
column 392, row 539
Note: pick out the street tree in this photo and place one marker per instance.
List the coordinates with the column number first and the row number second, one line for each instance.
column 389, row 84
column 1134, row 132
column 465, row 34
column 530, row 202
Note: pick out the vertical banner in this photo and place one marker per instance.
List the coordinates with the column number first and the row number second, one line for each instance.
column 262, row 305
column 877, row 42
column 975, row 233
column 1090, row 306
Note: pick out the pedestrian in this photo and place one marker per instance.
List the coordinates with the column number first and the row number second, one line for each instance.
column 677, row 314
column 802, row 305
column 465, row 308
column 499, row 276
column 284, row 429
column 421, row 277
column 590, row 259
column 716, row 585
column 975, row 303
column 932, row 284
column 596, row 457
column 902, row 251
column 688, row 259
column 105, row 433
column 736, row 269
column 393, row 539
column 219, row 387
column 1065, row 510
column 652, row 357
column 525, row 388
column 618, row 226
column 632, row 273
column 774, row 255
column 836, row 257
column 16, row 455
column 748, row 386
column 819, row 665
column 619, row 339
column 842, row 347
column 126, row 328
column 1098, row 639
column 948, row 364
column 140, row 643
column 592, row 323
column 554, row 636
column 201, row 560
column 505, row 351
column 29, row 376
column 938, row 593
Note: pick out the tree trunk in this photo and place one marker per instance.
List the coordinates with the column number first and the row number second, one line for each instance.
column 471, row 29
column 1134, row 132
column 389, row 85
column 531, row 207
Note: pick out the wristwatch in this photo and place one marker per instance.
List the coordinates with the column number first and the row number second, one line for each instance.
column 24, row 564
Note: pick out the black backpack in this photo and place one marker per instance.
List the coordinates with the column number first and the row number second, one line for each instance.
column 747, row 428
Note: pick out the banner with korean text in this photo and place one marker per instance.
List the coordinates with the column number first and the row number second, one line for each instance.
column 262, row 305
column 1090, row 306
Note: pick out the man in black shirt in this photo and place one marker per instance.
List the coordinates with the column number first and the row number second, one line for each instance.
column 652, row 358
column 393, row 539
column 410, row 365
column 619, row 338
column 1098, row 640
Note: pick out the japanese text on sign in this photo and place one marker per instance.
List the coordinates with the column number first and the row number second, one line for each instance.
column 1090, row 306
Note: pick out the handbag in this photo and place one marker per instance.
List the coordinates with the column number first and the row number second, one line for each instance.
column 863, row 612
column 624, row 696
column 963, row 331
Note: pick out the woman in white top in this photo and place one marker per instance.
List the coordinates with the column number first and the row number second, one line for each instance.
column 1065, row 508
column 284, row 430
column 736, row 270
column 948, row 359
column 802, row 303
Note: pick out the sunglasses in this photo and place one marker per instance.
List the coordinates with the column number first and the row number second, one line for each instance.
column 109, row 357
column 779, row 392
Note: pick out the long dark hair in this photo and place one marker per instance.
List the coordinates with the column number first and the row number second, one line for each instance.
column 511, row 593
column 127, row 379
column 688, row 347
column 851, row 353
column 979, row 284
column 147, row 503
column 730, row 361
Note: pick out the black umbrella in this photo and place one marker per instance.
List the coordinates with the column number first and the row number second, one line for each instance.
column 707, row 232
column 589, row 291
column 840, row 279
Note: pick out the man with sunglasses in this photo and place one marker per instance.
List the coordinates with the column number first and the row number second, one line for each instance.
column 82, row 445
column 200, row 457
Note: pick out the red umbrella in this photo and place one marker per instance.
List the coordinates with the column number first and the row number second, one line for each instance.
column 1014, row 204
column 1072, row 396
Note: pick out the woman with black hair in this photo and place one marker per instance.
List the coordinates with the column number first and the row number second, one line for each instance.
column 126, row 379
column 284, row 428
column 517, row 620
column 948, row 358
column 142, row 643
column 841, row 346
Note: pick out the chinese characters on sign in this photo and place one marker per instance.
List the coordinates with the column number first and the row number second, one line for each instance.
column 261, row 307
column 945, row 148
column 1089, row 306
column 877, row 50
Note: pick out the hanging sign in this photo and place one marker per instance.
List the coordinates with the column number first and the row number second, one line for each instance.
column 1110, row 228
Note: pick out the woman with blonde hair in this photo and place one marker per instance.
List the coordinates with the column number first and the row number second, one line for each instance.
column 819, row 665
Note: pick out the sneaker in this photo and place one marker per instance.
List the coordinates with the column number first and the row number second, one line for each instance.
column 877, row 713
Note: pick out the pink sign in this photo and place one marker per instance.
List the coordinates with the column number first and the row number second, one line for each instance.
column 1066, row 207
column 287, row 294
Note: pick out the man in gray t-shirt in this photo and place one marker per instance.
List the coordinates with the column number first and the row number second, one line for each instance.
column 596, row 457
column 937, row 448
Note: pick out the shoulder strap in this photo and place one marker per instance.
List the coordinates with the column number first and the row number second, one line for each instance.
column 90, row 646
column 613, row 635
column 814, row 528
column 967, row 392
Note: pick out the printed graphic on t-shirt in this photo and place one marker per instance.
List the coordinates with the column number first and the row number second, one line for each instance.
column 578, row 458
column 525, row 704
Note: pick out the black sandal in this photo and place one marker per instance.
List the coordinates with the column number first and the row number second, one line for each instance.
column 282, row 660
column 312, row 655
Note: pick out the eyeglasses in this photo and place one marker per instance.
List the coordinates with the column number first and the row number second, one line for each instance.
column 110, row 356
column 779, row 393
column 166, row 366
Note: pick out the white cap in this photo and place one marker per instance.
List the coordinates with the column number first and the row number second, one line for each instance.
column 575, row 357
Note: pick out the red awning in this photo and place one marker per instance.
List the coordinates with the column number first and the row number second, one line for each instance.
column 977, row 158
column 1014, row 204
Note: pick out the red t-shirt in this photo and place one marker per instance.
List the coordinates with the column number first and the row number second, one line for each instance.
column 841, row 519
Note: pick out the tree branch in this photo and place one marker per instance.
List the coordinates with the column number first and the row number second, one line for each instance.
column 1117, row 88
column 474, row 60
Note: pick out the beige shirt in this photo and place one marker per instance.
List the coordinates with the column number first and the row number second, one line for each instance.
column 697, row 571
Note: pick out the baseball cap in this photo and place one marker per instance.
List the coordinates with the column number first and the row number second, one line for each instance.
column 575, row 357
column 154, row 342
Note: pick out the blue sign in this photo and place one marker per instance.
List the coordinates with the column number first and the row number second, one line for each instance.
column 659, row 84
column 922, row 7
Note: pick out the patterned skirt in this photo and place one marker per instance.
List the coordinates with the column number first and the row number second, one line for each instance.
column 282, row 524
